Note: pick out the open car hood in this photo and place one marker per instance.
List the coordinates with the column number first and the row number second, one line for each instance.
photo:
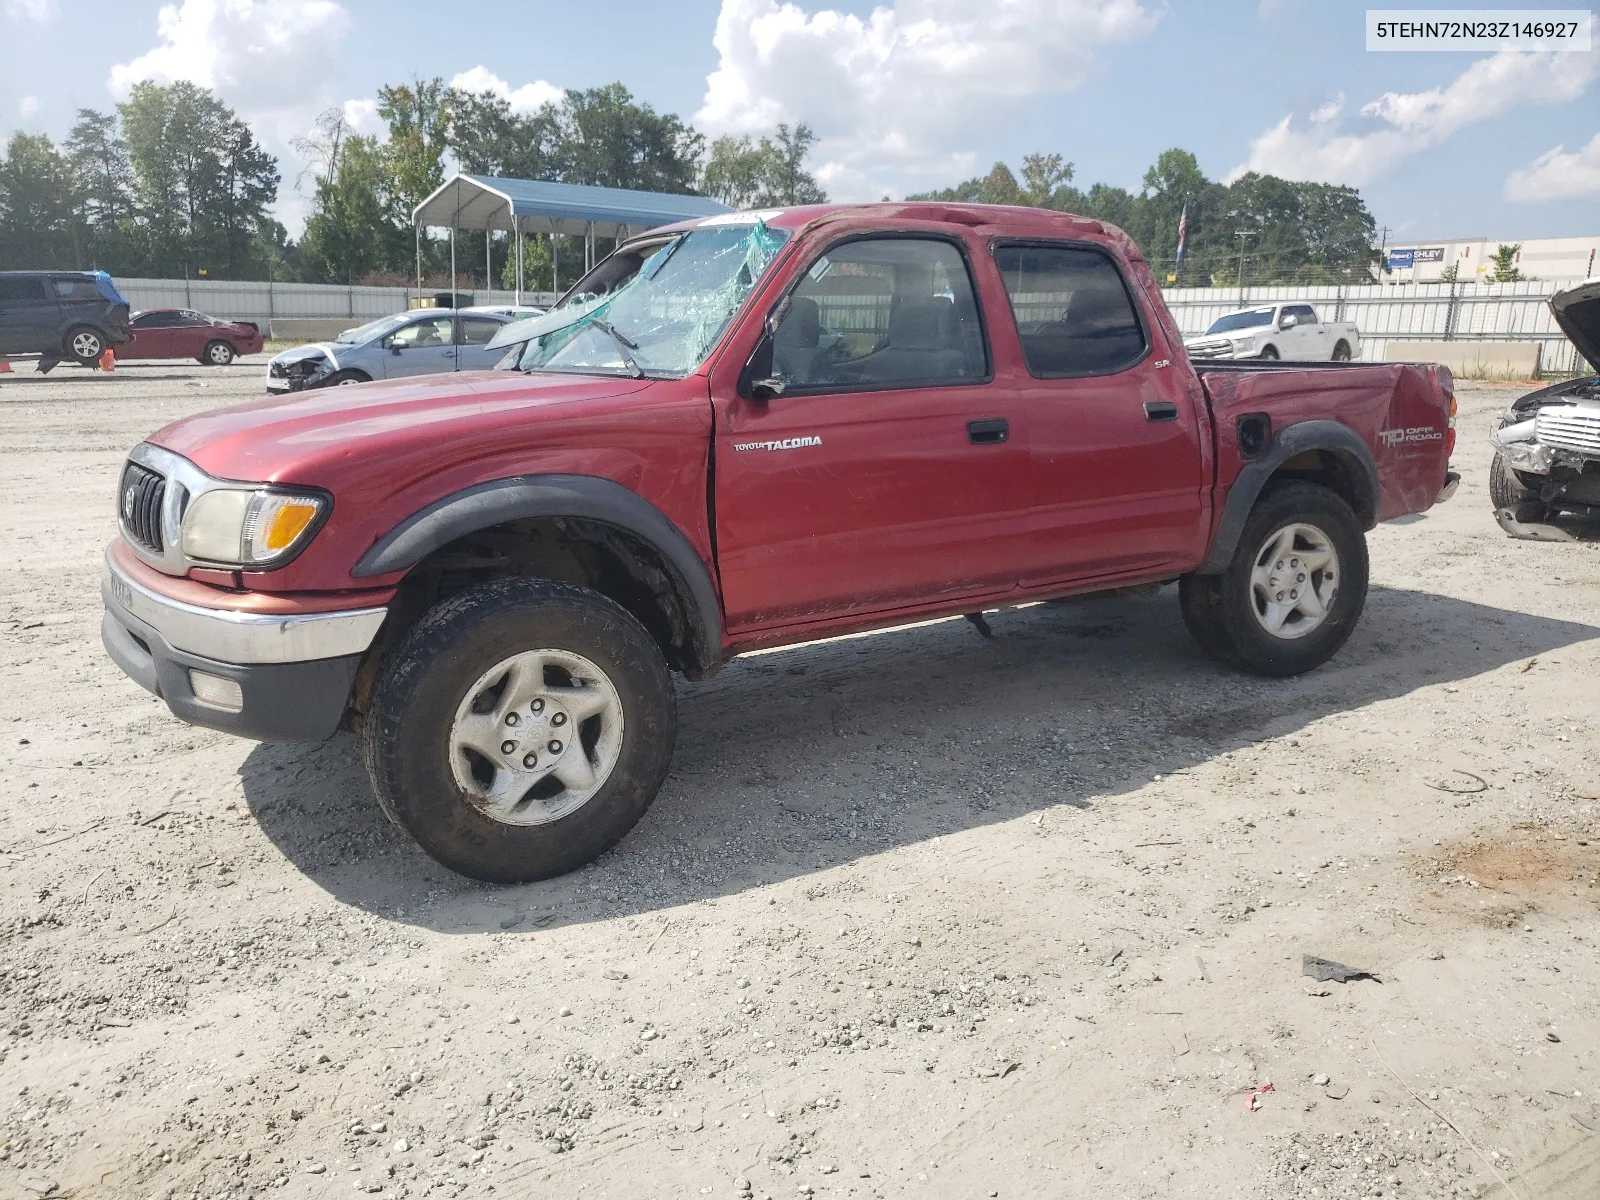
column 1577, row 311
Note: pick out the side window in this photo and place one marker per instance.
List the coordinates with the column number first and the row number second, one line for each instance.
column 881, row 313
column 160, row 319
column 1303, row 314
column 1072, row 309
column 476, row 331
column 75, row 288
column 437, row 332
column 22, row 291
column 189, row 317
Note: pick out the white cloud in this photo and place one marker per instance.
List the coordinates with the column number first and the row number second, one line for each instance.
column 41, row 12
column 1405, row 123
column 1557, row 175
column 529, row 98
column 362, row 117
column 899, row 98
column 28, row 107
column 274, row 61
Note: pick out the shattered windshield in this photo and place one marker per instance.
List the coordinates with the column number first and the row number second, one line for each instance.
column 1241, row 320
column 665, row 320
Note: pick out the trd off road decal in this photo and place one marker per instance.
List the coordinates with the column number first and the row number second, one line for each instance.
column 794, row 443
column 1417, row 433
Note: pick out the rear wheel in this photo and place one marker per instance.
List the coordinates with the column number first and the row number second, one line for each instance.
column 1341, row 352
column 521, row 729
column 1294, row 590
column 1506, row 491
column 217, row 354
column 86, row 345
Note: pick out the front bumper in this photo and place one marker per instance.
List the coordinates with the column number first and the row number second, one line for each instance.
column 293, row 673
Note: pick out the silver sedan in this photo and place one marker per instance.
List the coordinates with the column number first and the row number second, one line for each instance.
column 425, row 341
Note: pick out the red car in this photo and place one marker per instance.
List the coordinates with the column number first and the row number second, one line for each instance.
column 184, row 333
column 751, row 431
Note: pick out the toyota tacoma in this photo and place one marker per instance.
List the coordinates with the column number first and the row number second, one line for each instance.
column 749, row 431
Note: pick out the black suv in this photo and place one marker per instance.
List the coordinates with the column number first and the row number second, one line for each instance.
column 61, row 314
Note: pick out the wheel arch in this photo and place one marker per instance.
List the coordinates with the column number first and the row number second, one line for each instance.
column 580, row 528
column 1324, row 452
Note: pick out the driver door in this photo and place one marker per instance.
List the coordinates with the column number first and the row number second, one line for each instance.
column 424, row 347
column 887, row 473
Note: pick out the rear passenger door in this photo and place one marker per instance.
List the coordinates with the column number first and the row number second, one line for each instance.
column 1116, row 467
column 885, row 474
column 29, row 319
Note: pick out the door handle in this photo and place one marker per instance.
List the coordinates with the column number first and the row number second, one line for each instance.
column 1160, row 410
column 988, row 432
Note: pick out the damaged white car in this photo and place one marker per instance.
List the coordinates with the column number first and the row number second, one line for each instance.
column 1547, row 449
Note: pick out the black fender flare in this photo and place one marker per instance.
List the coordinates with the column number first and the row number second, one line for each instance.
column 585, row 497
column 1329, row 436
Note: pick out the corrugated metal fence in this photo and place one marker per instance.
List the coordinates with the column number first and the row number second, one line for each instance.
column 261, row 302
column 1406, row 312
column 1423, row 312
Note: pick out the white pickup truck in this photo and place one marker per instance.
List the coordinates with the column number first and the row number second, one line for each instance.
column 1288, row 331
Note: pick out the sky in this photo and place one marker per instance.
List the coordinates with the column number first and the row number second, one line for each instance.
column 905, row 96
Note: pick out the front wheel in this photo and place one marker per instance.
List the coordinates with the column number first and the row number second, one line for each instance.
column 1506, row 491
column 347, row 377
column 1294, row 590
column 1269, row 353
column 217, row 354
column 520, row 729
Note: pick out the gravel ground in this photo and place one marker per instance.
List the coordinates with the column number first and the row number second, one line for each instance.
column 917, row 914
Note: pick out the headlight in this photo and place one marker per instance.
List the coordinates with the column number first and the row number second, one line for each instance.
column 256, row 528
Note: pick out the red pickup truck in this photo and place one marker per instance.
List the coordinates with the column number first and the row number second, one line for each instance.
column 753, row 430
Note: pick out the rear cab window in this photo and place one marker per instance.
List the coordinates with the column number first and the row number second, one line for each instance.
column 1074, row 313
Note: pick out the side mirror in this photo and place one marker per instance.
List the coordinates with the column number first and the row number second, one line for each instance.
column 394, row 348
column 1288, row 322
column 766, row 389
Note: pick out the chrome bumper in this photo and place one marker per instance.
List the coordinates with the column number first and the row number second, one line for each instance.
column 234, row 637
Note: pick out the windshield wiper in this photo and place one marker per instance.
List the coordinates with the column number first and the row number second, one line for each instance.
column 624, row 342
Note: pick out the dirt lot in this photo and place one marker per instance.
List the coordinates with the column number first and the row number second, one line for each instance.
column 916, row 914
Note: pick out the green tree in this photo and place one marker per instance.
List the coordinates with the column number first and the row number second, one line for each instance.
column 36, row 206
column 103, row 180
column 201, row 183
column 355, row 223
column 1043, row 175
column 604, row 138
column 745, row 174
column 1505, row 264
column 418, row 114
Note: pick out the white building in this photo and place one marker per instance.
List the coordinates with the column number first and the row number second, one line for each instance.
column 1539, row 258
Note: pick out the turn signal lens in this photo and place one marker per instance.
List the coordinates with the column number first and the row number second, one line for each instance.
column 276, row 523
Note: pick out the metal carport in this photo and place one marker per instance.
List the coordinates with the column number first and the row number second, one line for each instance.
column 523, row 206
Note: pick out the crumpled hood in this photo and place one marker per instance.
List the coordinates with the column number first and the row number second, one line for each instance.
column 303, row 436
column 301, row 353
column 1577, row 311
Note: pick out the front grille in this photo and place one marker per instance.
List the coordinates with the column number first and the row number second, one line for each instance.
column 140, row 503
column 1211, row 351
column 1570, row 427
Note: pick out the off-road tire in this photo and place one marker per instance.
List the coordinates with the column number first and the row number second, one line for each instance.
column 426, row 675
column 1227, row 618
column 1507, row 491
column 1199, row 599
column 340, row 378
column 217, row 354
column 84, row 345
column 1341, row 352
column 1268, row 354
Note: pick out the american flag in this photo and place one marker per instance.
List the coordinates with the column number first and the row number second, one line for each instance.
column 1183, row 229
